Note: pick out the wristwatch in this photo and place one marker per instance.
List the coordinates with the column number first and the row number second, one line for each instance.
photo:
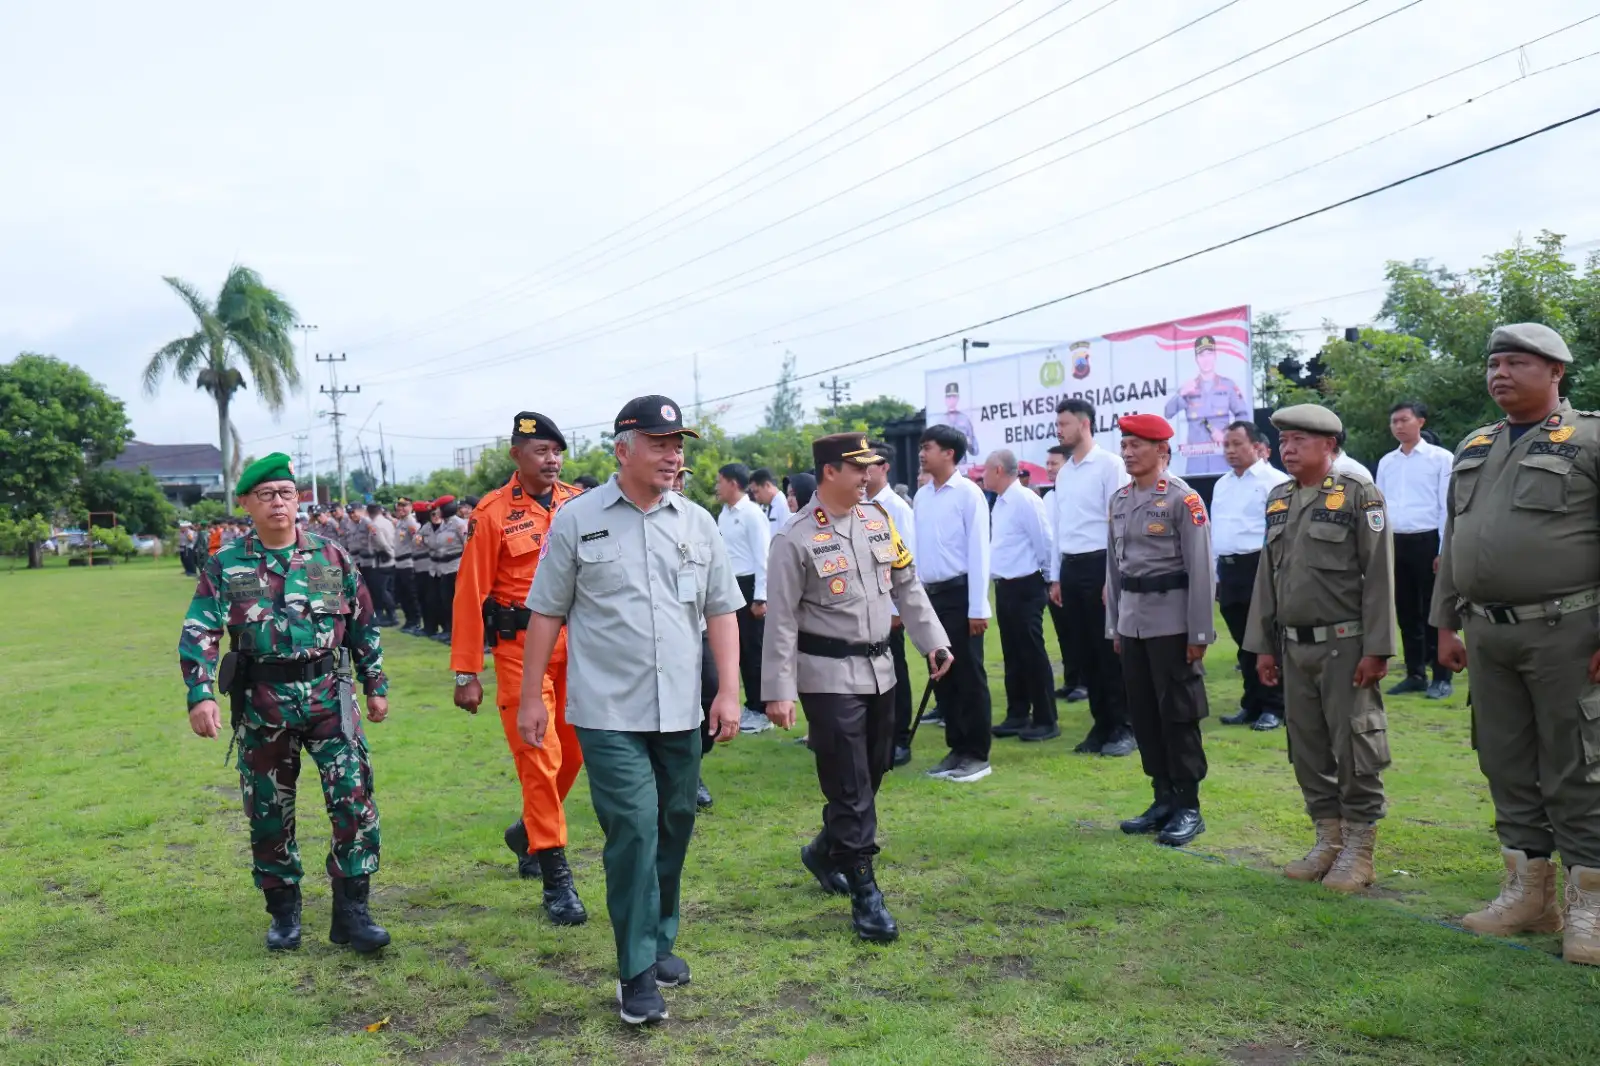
column 463, row 680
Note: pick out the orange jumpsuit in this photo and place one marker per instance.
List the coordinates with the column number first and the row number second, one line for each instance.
column 214, row 541
column 507, row 530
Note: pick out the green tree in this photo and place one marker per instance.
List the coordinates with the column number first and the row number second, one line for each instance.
column 1270, row 345
column 786, row 410
column 20, row 537
column 868, row 416
column 202, row 511
column 241, row 338
column 135, row 498
column 55, row 422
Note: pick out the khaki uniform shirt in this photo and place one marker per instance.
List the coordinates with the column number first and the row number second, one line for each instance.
column 1328, row 559
column 840, row 577
column 448, row 543
column 634, row 587
column 405, row 542
column 1160, row 530
column 1523, row 526
column 357, row 540
column 422, row 556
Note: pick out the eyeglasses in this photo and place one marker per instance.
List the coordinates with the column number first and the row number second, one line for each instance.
column 268, row 495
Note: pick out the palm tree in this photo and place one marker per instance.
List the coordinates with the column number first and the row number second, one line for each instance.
column 243, row 337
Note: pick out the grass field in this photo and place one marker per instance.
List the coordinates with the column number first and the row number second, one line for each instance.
column 1033, row 931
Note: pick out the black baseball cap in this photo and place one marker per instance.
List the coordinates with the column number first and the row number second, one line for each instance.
column 654, row 416
column 531, row 425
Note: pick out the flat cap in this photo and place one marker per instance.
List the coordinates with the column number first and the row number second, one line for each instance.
column 1309, row 418
column 836, row 449
column 1146, row 427
column 531, row 425
column 1530, row 337
column 274, row 467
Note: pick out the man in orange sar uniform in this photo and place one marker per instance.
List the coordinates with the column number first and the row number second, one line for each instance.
column 504, row 539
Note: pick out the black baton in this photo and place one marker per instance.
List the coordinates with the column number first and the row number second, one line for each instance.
column 927, row 694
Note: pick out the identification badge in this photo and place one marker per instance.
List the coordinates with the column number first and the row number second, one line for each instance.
column 687, row 586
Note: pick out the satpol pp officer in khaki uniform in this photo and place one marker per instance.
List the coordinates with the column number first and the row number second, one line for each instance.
column 1520, row 566
column 833, row 572
column 1160, row 595
column 1325, row 590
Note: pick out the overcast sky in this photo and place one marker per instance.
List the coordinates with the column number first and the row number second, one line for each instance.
column 427, row 184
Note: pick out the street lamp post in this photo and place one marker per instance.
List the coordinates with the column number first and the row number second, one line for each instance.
column 311, row 420
column 968, row 343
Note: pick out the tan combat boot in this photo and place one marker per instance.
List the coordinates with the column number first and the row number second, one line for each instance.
column 1527, row 900
column 1582, row 940
column 1352, row 870
column 1319, row 860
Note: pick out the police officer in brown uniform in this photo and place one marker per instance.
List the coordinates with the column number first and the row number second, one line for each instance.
column 1160, row 594
column 1325, row 594
column 1520, row 566
column 833, row 571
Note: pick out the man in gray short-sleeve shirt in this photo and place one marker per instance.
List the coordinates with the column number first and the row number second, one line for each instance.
column 632, row 567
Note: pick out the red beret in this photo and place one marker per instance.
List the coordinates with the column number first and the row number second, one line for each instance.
column 1149, row 427
column 422, row 505
column 445, row 501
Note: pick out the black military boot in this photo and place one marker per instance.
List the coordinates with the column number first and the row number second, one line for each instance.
column 352, row 922
column 1158, row 812
column 870, row 917
column 1185, row 823
column 517, row 841
column 284, row 906
column 814, row 857
column 561, row 900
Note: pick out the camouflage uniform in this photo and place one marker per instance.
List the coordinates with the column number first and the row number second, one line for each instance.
column 280, row 612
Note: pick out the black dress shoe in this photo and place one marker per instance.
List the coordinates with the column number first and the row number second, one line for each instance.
column 1121, row 743
column 1013, row 725
column 1035, row 733
column 869, row 916
column 1267, row 721
column 517, row 841
column 702, row 796
column 284, row 906
column 1077, row 694
column 1243, row 717
column 1063, row 692
column 1089, row 745
column 830, row 877
column 1184, row 825
column 1411, row 684
column 1156, row 815
column 902, row 755
column 639, row 1000
column 561, row 900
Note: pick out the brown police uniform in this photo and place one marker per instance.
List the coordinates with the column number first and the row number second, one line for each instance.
column 831, row 579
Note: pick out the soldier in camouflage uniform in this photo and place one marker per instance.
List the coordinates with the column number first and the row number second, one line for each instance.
column 300, row 628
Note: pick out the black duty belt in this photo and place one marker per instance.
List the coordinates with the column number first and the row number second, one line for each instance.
column 285, row 671
column 1239, row 559
column 503, row 622
column 933, row 588
column 1155, row 582
column 834, row 648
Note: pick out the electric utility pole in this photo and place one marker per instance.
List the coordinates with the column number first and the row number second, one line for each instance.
column 334, row 390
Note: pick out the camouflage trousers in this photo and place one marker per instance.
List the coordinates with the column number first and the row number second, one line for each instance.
column 269, row 769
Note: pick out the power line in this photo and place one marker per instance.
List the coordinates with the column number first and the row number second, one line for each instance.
column 750, row 159
column 1207, row 250
column 664, row 307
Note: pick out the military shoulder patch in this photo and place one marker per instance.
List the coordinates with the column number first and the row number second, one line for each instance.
column 1277, row 506
column 1197, row 508
column 1562, row 434
column 1375, row 516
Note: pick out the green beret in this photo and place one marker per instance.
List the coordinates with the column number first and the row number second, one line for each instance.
column 274, row 467
column 1532, row 338
column 1308, row 418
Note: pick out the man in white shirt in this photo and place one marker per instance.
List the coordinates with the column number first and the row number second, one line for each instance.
column 746, row 534
column 952, row 554
column 767, row 494
column 1020, row 546
column 1343, row 464
column 880, row 491
column 1238, row 530
column 1084, row 487
column 1071, row 689
column 1415, row 482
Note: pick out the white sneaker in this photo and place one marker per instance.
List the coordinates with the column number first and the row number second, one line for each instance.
column 753, row 722
column 969, row 769
column 944, row 766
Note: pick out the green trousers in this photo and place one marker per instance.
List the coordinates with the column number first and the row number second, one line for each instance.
column 1536, row 724
column 1338, row 734
column 643, row 786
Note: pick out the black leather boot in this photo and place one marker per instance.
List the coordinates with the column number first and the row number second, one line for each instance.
column 1185, row 823
column 517, row 841
column 868, row 914
column 1158, row 812
column 284, row 906
column 352, row 922
column 814, row 856
column 561, row 900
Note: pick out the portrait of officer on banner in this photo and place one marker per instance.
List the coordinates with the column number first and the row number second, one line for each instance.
column 1206, row 404
column 956, row 419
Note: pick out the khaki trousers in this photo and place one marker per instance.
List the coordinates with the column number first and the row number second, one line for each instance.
column 1338, row 734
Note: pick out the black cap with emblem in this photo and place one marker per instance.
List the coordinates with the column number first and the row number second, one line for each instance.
column 654, row 416
column 840, row 448
column 531, row 425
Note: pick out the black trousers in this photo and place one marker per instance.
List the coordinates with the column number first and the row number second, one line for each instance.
column 852, row 736
column 708, row 692
column 444, row 591
column 1030, row 684
column 405, row 594
column 1414, row 554
column 1070, row 678
column 751, row 630
column 428, row 596
column 1083, row 583
column 1236, row 583
column 902, row 687
column 1166, row 700
column 383, row 590
column 963, row 692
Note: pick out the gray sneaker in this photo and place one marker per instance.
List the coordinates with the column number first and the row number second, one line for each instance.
column 944, row 766
column 969, row 769
column 753, row 722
